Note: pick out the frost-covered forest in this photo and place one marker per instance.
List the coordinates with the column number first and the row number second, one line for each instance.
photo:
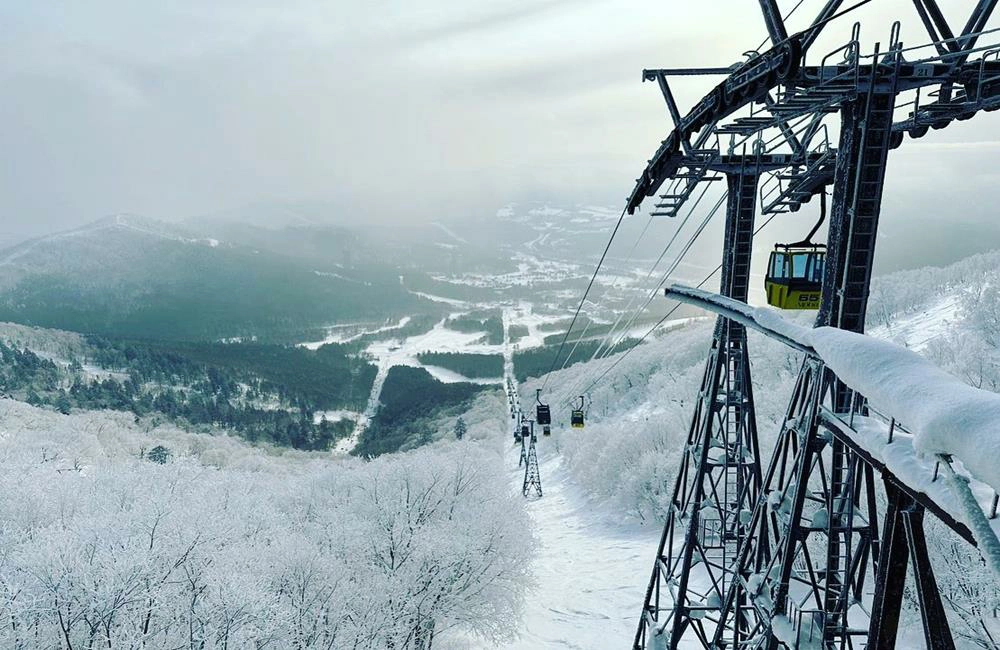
column 224, row 546
column 135, row 533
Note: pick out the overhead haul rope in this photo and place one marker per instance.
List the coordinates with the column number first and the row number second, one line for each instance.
column 787, row 16
column 614, row 327
column 602, row 351
column 687, row 247
column 673, row 267
column 607, row 337
column 648, row 274
column 628, row 258
column 609, row 349
column 584, row 299
column 664, row 319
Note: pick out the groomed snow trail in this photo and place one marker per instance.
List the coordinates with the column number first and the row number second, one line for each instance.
column 346, row 445
column 590, row 571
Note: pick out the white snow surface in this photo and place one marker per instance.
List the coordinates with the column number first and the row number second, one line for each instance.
column 900, row 458
column 917, row 331
column 348, row 333
column 448, row 301
column 585, row 564
column 945, row 415
column 335, row 416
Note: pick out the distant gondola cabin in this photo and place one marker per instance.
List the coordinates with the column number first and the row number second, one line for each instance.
column 543, row 415
column 794, row 278
column 576, row 419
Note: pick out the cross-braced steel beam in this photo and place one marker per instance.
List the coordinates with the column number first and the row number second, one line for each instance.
column 719, row 480
column 828, row 10
column 976, row 24
column 814, row 548
column 773, row 20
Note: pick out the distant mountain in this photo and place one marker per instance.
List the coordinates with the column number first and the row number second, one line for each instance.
column 535, row 251
column 474, row 242
column 137, row 277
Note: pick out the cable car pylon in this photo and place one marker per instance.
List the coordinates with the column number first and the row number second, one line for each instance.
column 521, row 434
column 821, row 489
column 813, row 551
column 720, row 476
column 532, row 486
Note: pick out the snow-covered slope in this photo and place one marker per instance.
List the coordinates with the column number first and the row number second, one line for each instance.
column 603, row 481
column 916, row 330
column 222, row 545
column 109, row 245
column 584, row 561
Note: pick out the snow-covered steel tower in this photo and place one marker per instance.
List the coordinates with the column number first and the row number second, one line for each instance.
column 814, row 568
column 532, row 477
column 719, row 478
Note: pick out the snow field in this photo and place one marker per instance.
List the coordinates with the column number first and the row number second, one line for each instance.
column 584, row 561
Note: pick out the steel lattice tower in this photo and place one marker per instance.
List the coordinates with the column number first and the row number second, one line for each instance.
column 812, row 556
column 720, row 474
column 814, row 553
column 519, row 434
column 532, row 477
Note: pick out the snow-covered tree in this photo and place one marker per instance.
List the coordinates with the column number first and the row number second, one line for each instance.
column 230, row 547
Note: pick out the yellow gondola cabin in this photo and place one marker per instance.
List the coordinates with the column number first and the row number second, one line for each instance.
column 794, row 278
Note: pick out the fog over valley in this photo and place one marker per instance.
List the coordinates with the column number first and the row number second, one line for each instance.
column 519, row 325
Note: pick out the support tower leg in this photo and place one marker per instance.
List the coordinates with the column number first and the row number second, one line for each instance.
column 719, row 479
column 813, row 534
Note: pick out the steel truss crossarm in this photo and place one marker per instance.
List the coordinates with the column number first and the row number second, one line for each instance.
column 828, row 10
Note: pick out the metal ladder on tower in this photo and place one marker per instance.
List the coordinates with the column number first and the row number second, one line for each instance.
column 840, row 530
column 864, row 223
column 866, row 199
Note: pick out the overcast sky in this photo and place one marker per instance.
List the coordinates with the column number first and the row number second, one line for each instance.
column 389, row 109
